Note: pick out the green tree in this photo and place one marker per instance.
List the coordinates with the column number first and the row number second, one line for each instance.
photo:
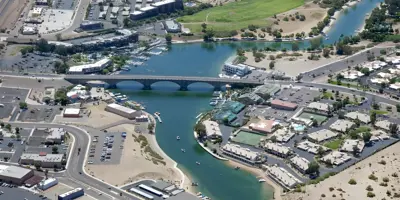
column 46, row 172
column 150, row 127
column 393, row 129
column 314, row 123
column 373, row 118
column 105, row 71
column 367, row 137
column 54, row 150
column 17, row 130
column 398, row 107
column 168, row 38
column 316, row 43
column 23, row 105
column 313, row 168
column 320, row 151
column 8, row 127
column 38, row 166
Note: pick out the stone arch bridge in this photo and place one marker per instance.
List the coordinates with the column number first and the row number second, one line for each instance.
column 148, row 80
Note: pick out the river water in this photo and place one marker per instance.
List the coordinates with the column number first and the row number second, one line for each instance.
column 179, row 109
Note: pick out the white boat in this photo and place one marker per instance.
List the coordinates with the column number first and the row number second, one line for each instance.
column 261, row 180
column 183, row 150
column 125, row 68
column 213, row 103
column 197, row 162
column 178, row 138
column 199, row 115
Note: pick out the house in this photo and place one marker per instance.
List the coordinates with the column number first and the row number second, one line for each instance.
column 242, row 154
column 364, row 118
column 322, row 135
column 349, row 145
column 311, row 147
column 383, row 124
column 282, row 176
column 336, row 158
column 342, row 125
column 283, row 135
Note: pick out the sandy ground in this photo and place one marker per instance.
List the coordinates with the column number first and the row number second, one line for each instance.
column 360, row 173
column 136, row 165
column 311, row 11
column 10, row 12
column 291, row 68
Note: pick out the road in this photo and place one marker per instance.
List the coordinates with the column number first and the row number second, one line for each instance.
column 74, row 174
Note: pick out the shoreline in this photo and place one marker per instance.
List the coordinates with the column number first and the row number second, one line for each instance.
column 184, row 177
column 277, row 189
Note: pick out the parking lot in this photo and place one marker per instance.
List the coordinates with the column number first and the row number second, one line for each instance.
column 106, row 149
column 39, row 114
column 6, row 110
column 30, row 63
column 18, row 193
column 12, row 148
column 301, row 96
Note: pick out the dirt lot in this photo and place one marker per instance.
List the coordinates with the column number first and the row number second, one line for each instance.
column 136, row 164
column 311, row 11
column 384, row 184
column 10, row 11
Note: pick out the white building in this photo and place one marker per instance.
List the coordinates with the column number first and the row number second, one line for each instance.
column 394, row 71
column 379, row 135
column 45, row 160
column 395, row 86
column 283, row 135
column 142, row 118
column 212, row 129
column 364, row 118
column 383, row 124
column 342, row 125
column 379, row 80
column 385, row 75
column 311, row 147
column 29, row 30
column 15, row 175
column 351, row 74
column 320, row 108
column 241, row 153
column 277, row 149
column 300, row 163
column 336, row 158
column 123, row 111
column 55, row 135
column 374, row 65
column 322, row 135
column 348, row 145
column 78, row 92
column 90, row 68
column 282, row 176
column 239, row 69
column 72, row 112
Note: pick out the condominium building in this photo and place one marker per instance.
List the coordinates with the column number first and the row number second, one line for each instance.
column 212, row 129
column 342, row 125
column 349, row 145
column 311, row 147
column 300, row 163
column 242, row 154
column 319, row 108
column 277, row 149
column 322, row 135
column 282, row 176
column 90, row 68
column 336, row 158
column 239, row 69
column 364, row 118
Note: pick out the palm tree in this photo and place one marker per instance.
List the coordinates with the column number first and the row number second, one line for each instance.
column 393, row 129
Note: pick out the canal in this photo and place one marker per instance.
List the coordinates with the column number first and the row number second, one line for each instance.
column 179, row 109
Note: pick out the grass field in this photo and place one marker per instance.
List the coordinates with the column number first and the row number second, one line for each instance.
column 240, row 14
column 334, row 144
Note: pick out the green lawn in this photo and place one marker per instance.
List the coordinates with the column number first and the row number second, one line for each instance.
column 327, row 95
column 240, row 14
column 334, row 144
column 379, row 112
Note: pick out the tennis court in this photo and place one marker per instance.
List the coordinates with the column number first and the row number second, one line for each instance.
column 248, row 138
column 306, row 115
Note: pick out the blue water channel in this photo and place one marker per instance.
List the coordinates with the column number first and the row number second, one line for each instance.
column 179, row 109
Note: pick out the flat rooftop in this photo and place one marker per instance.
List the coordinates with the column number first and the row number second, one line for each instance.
column 13, row 171
column 341, row 125
column 364, row 118
column 336, row 158
column 322, row 135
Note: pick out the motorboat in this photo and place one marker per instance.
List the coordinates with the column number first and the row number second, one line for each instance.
column 213, row 103
column 237, row 168
column 261, row 180
column 178, row 138
column 197, row 162
column 183, row 150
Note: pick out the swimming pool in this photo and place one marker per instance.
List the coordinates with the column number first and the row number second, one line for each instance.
column 298, row 127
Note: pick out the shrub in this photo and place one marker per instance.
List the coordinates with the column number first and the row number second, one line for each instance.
column 388, row 193
column 331, row 189
column 395, row 175
column 352, row 182
column 370, row 194
column 385, row 179
column 369, row 188
column 382, row 162
column 323, row 195
column 383, row 184
column 373, row 177
column 285, row 19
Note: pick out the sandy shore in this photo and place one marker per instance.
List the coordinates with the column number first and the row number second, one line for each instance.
column 260, row 174
column 138, row 165
column 289, row 66
column 337, row 187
